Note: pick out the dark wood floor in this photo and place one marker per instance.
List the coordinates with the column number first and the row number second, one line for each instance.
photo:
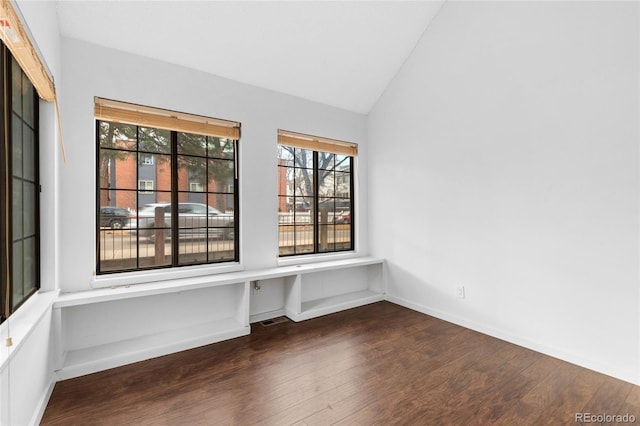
column 379, row 364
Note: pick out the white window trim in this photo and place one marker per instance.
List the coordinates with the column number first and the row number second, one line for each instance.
column 145, row 190
column 193, row 185
column 147, row 160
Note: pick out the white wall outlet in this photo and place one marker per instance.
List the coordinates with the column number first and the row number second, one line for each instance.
column 460, row 292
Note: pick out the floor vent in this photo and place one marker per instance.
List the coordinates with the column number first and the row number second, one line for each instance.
column 273, row 321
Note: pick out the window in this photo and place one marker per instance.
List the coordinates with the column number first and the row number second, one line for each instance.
column 145, row 186
column 147, row 160
column 19, row 187
column 315, row 194
column 193, row 179
column 196, row 187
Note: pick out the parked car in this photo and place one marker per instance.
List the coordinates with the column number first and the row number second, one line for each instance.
column 194, row 220
column 114, row 217
column 337, row 204
column 343, row 217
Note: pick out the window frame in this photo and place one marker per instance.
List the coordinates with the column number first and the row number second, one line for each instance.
column 147, row 160
column 146, row 189
column 196, row 187
column 308, row 143
column 7, row 303
column 175, row 230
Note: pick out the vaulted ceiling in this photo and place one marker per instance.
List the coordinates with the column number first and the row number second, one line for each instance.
column 340, row 53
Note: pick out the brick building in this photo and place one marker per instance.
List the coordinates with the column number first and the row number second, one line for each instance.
column 135, row 179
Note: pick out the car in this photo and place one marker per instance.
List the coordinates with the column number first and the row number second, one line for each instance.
column 343, row 217
column 335, row 204
column 195, row 220
column 114, row 217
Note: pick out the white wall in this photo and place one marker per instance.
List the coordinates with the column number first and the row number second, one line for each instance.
column 95, row 71
column 504, row 157
column 266, row 301
column 26, row 368
column 43, row 25
column 28, row 376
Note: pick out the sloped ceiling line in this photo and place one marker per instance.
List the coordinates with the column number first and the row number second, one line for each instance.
column 342, row 54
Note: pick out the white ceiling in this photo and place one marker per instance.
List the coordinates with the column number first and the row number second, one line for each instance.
column 340, row 53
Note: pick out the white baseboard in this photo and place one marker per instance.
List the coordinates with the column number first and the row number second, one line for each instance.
column 43, row 402
column 604, row 368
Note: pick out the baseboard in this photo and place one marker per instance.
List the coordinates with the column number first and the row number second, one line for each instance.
column 43, row 402
column 609, row 370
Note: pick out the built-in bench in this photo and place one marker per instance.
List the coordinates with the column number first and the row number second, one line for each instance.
column 109, row 327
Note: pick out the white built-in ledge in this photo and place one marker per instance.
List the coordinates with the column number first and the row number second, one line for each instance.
column 311, row 290
column 88, row 360
column 161, row 287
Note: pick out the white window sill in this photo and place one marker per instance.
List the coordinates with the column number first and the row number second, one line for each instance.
column 23, row 322
column 314, row 258
column 155, row 275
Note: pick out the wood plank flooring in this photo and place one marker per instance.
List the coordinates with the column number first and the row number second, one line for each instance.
column 379, row 364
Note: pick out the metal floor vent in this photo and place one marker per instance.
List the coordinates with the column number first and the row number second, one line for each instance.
column 273, row 321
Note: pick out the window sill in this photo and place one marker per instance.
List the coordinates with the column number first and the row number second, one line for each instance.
column 23, row 322
column 155, row 275
column 244, row 276
column 315, row 258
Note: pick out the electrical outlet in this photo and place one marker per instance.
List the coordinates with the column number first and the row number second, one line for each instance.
column 460, row 292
